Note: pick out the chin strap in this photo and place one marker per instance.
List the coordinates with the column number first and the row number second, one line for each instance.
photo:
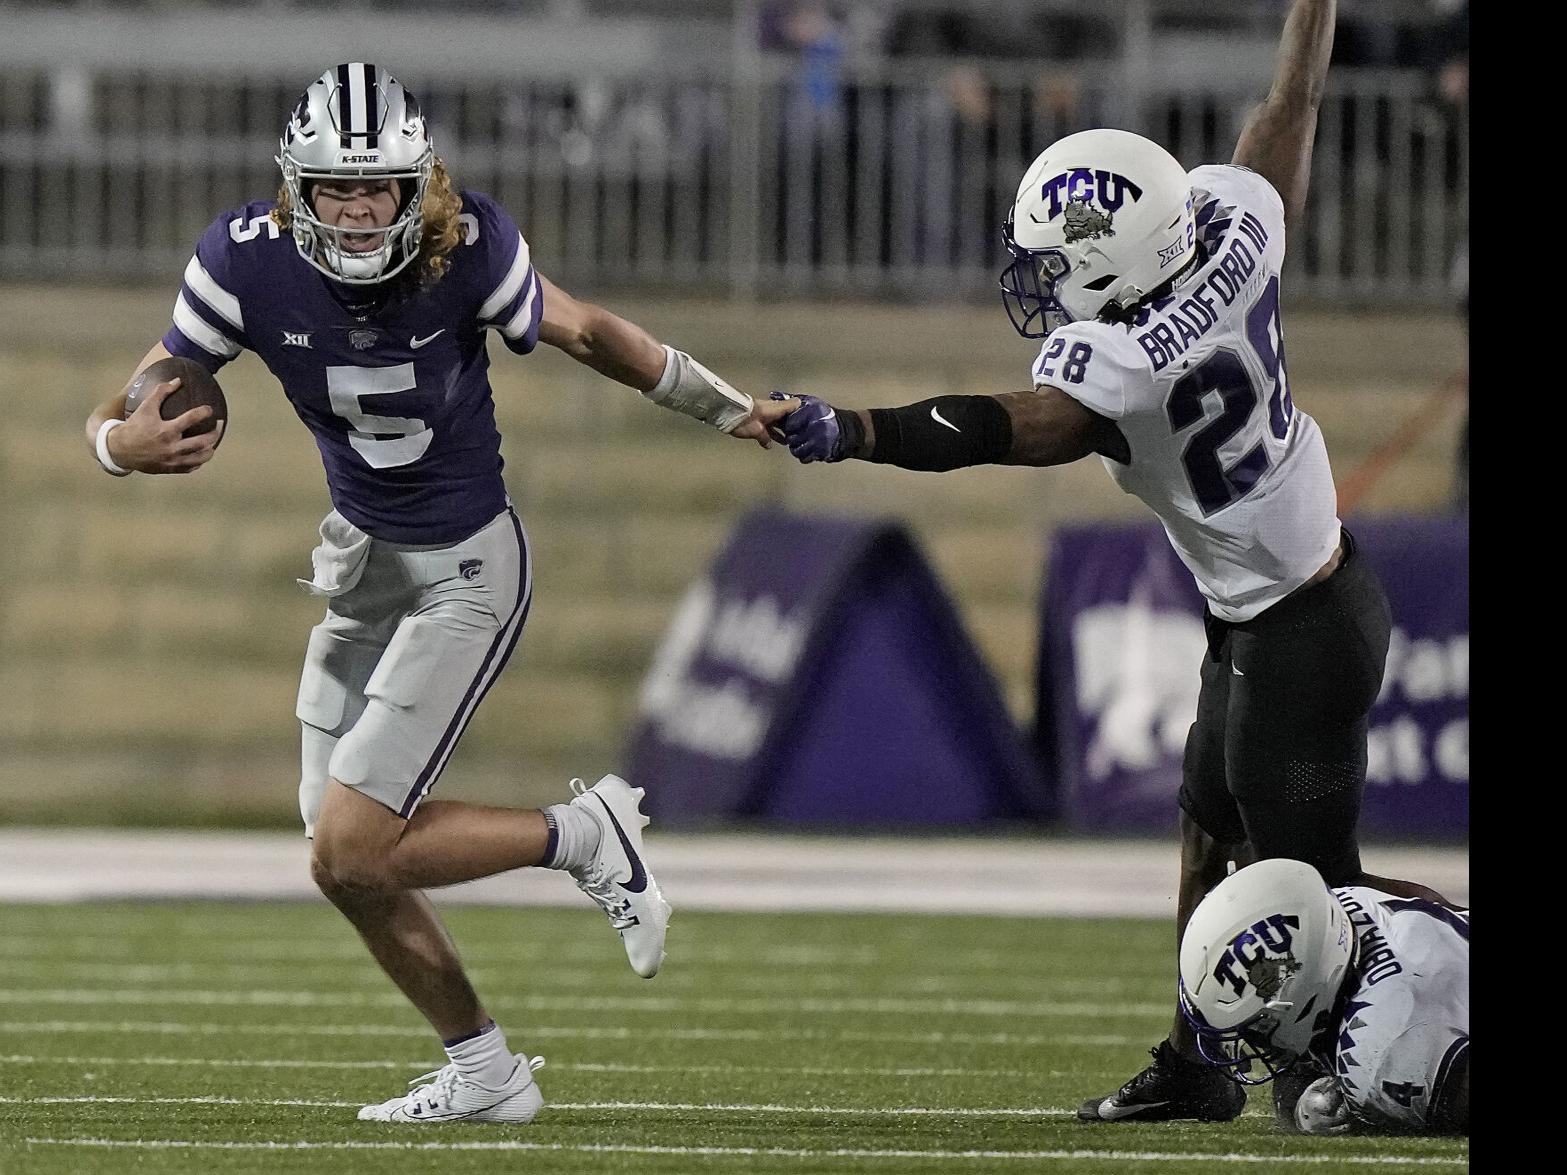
column 692, row 390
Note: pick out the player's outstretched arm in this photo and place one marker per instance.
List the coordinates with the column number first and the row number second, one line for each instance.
column 146, row 443
column 628, row 354
column 1278, row 136
column 1040, row 427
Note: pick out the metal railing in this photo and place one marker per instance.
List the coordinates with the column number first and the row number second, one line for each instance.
column 755, row 178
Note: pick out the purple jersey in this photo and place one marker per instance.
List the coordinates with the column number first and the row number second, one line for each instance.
column 397, row 395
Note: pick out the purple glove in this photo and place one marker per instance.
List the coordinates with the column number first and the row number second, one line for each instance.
column 811, row 431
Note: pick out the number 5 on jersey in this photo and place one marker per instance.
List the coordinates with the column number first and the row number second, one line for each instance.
column 383, row 441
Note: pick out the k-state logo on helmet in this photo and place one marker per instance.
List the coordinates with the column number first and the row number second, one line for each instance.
column 1247, row 949
column 1105, row 188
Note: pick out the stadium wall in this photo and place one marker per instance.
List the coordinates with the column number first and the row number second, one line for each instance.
column 151, row 630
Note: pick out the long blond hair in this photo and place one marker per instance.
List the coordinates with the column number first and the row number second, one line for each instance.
column 441, row 231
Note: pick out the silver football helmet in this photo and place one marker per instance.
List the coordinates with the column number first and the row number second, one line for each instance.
column 1102, row 219
column 356, row 121
column 1262, row 961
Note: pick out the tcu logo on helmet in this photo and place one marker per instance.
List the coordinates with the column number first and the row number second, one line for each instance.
column 1246, row 949
column 1105, row 188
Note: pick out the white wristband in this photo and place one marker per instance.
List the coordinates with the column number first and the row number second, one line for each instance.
column 102, row 445
column 689, row 388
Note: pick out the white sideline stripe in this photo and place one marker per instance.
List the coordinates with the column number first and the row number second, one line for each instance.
column 569, row 1066
column 510, row 284
column 769, row 1152
column 214, row 295
column 1001, row 876
column 719, row 1108
column 181, row 1028
column 816, row 1007
column 196, row 329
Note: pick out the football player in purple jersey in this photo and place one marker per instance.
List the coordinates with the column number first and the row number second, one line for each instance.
column 367, row 287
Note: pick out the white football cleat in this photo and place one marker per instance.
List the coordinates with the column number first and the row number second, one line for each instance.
column 617, row 879
column 447, row 1096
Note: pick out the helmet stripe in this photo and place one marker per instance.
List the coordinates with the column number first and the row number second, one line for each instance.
column 361, row 104
column 344, row 107
column 373, row 108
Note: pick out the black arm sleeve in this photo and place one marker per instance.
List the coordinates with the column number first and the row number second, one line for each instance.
column 949, row 432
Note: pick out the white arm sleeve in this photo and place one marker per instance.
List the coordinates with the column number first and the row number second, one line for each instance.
column 689, row 388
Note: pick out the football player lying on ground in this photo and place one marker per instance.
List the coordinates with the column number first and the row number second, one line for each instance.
column 1354, row 1001
column 1156, row 291
column 367, row 287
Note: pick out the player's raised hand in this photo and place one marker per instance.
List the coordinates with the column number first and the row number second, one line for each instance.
column 149, row 444
column 809, row 427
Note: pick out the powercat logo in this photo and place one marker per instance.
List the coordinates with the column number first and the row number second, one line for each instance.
column 1250, row 950
column 1083, row 184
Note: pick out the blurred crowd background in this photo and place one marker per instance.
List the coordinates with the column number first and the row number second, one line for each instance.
column 804, row 194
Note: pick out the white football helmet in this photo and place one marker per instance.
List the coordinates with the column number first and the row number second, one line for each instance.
column 1102, row 219
column 356, row 121
column 1262, row 962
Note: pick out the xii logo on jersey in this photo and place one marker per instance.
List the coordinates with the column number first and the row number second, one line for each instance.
column 290, row 339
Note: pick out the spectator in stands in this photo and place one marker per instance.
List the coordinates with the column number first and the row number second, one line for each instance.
column 811, row 119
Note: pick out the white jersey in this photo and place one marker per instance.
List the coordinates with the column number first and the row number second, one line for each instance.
column 1197, row 384
column 1406, row 1022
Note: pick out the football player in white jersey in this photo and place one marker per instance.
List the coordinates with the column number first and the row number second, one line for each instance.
column 1156, row 292
column 1277, row 970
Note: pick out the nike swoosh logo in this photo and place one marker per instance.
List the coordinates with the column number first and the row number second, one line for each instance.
column 416, row 343
column 1236, row 671
column 638, row 880
column 935, row 414
column 1110, row 1110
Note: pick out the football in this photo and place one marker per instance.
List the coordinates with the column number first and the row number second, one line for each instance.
column 197, row 387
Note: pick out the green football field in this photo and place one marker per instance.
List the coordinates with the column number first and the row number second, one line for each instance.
column 199, row 1037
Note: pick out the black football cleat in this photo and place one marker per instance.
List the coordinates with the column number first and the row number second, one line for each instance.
column 1170, row 1088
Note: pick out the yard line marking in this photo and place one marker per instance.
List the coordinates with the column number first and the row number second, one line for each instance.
column 773, row 1152
column 181, row 1028
column 825, row 983
column 569, row 1066
column 340, row 948
column 318, row 999
column 718, row 1108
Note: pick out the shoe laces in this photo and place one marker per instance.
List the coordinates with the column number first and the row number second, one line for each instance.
column 597, row 885
column 437, row 1085
column 1159, row 1070
column 434, row 1087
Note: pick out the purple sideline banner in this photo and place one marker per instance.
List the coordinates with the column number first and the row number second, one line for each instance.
column 1120, row 648
column 817, row 673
